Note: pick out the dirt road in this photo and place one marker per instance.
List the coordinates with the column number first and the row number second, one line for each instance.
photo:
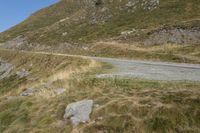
column 145, row 69
column 151, row 70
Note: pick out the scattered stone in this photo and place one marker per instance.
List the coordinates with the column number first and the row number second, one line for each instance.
column 96, row 105
column 28, row 92
column 47, row 85
column 79, row 111
column 33, row 78
column 62, row 20
column 129, row 32
column 22, row 73
column 151, row 4
column 85, row 48
column 59, row 91
column 19, row 42
column 100, row 118
column 176, row 35
column 106, row 75
column 5, row 69
column 144, row 4
column 64, row 34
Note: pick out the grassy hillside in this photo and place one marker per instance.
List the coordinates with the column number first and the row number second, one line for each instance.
column 46, row 73
column 42, row 70
column 87, row 21
column 89, row 27
column 36, row 88
column 120, row 105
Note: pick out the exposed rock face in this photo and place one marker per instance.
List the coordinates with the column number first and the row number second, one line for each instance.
column 160, row 36
column 81, row 11
column 100, row 11
column 144, row 4
column 5, row 69
column 16, row 43
column 176, row 35
column 79, row 111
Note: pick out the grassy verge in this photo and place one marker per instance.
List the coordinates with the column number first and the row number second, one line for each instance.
column 167, row 52
column 134, row 105
column 120, row 106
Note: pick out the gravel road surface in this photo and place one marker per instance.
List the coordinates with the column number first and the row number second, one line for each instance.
column 151, row 70
column 144, row 69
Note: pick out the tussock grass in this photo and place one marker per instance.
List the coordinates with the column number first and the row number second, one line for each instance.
column 142, row 106
column 44, row 71
column 120, row 105
column 166, row 52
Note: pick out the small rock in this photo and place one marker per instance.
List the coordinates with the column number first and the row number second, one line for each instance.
column 128, row 32
column 28, row 92
column 47, row 85
column 96, row 105
column 64, row 34
column 79, row 111
column 59, row 91
column 22, row 73
column 100, row 118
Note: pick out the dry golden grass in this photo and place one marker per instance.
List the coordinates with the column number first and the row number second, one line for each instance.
column 120, row 105
column 45, row 69
column 138, row 47
column 166, row 52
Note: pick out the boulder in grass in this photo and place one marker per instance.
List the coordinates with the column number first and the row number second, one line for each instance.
column 28, row 92
column 22, row 73
column 79, row 112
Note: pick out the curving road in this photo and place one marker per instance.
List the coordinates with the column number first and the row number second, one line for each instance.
column 151, row 70
column 144, row 69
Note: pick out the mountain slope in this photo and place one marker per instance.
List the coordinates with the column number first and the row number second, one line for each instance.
column 35, row 93
column 74, row 25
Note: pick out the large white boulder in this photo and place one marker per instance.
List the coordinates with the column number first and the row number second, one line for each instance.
column 79, row 111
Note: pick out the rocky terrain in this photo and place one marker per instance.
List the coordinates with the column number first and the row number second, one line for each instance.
column 55, row 74
column 89, row 27
column 5, row 69
column 76, row 25
column 46, row 92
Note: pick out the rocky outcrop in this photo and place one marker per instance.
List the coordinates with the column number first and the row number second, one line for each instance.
column 65, row 15
column 132, row 5
column 5, row 69
column 79, row 111
column 16, row 43
column 160, row 36
column 100, row 11
column 22, row 73
column 182, row 36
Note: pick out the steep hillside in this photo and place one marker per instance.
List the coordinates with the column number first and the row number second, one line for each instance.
column 75, row 25
column 46, row 92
